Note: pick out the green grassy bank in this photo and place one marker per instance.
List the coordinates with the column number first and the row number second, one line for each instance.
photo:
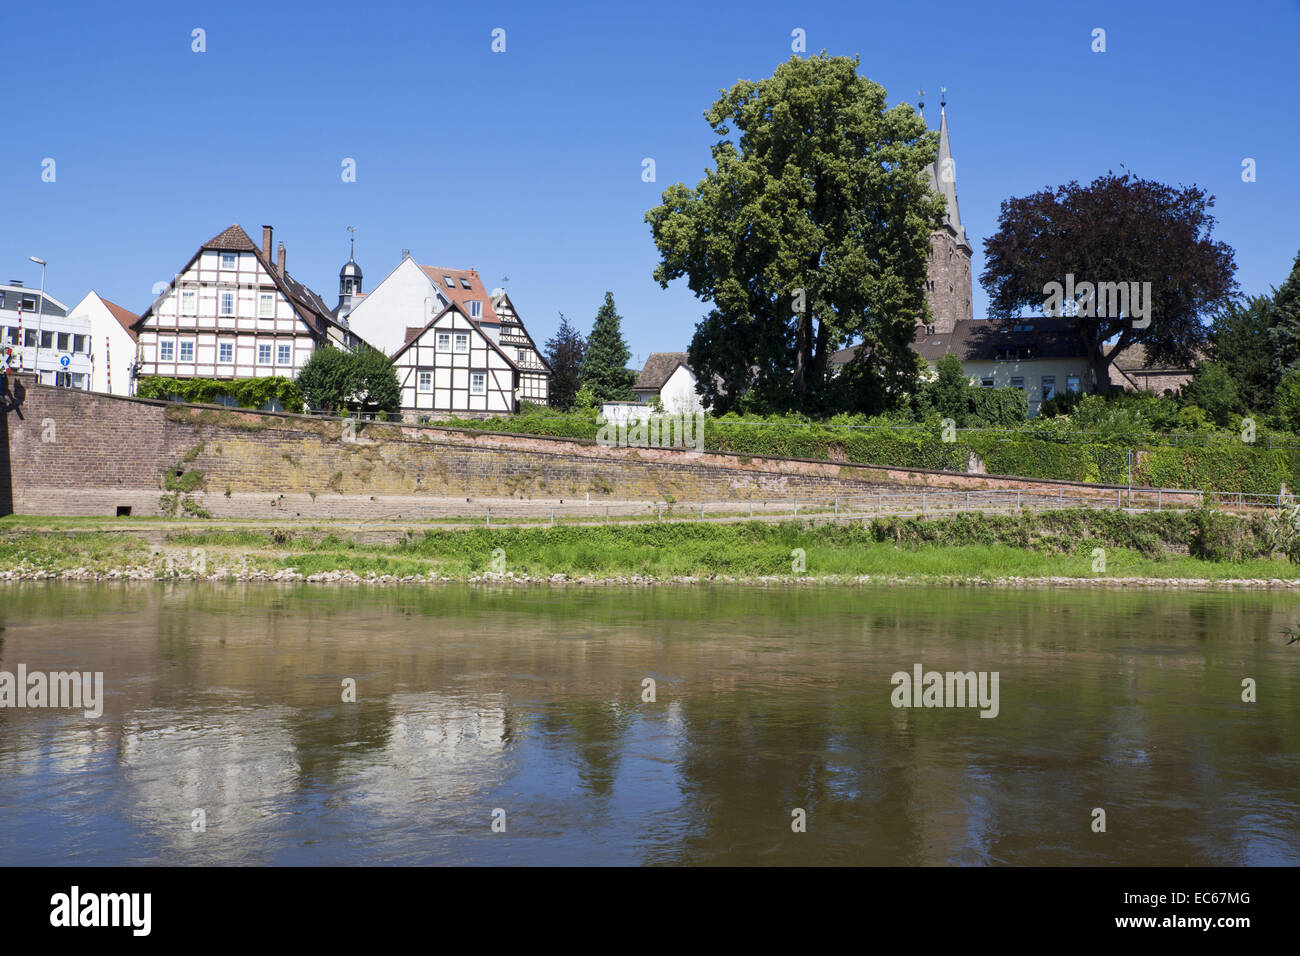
column 1078, row 544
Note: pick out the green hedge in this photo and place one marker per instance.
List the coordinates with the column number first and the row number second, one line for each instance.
column 1220, row 462
column 244, row 392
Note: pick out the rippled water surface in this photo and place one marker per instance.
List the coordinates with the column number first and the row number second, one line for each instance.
column 529, row 701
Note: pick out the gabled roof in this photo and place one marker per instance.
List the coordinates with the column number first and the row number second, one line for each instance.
column 978, row 340
column 496, row 303
column 125, row 318
column 311, row 306
column 659, row 368
column 946, row 185
column 460, row 294
column 452, row 307
column 1134, row 359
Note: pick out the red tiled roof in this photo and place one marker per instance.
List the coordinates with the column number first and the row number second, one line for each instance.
column 233, row 239
column 461, row 295
column 124, row 318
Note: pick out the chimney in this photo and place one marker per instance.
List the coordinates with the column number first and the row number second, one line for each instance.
column 266, row 243
column 406, row 253
column 16, row 282
column 279, row 263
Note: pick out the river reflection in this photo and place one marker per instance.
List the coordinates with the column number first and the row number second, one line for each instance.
column 530, row 702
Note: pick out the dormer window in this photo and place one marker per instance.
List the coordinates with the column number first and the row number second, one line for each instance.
column 475, row 309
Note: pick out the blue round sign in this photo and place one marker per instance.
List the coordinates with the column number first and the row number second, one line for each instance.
column 65, row 360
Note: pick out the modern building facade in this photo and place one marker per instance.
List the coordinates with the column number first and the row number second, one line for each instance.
column 39, row 336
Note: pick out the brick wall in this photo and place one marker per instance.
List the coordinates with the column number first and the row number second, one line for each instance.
column 72, row 452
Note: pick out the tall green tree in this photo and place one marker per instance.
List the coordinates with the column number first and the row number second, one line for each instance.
column 604, row 367
column 565, row 351
column 361, row 379
column 1241, row 346
column 810, row 232
column 1117, row 229
column 1284, row 334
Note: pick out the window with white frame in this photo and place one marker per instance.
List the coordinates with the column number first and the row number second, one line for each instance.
column 187, row 350
column 229, row 260
column 1072, row 383
column 462, row 341
column 266, row 305
column 475, row 309
column 226, row 353
column 986, row 383
column 282, row 353
column 425, row 381
column 477, row 383
column 166, row 350
column 227, row 299
column 444, row 341
column 79, row 344
column 1018, row 382
column 189, row 301
column 264, row 353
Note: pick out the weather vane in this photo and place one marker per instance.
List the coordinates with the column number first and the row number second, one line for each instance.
column 920, row 103
column 943, row 96
column 353, row 240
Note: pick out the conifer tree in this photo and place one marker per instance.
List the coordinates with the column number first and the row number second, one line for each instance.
column 604, row 368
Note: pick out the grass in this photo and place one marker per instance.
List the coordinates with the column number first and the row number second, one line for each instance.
column 964, row 550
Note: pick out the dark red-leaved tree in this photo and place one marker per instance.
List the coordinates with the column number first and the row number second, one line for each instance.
column 1118, row 230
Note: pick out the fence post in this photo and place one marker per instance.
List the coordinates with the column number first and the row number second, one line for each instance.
column 751, row 509
column 923, row 502
column 1060, row 497
column 877, row 504
column 1119, row 501
column 1158, row 497
column 660, row 506
column 552, row 517
column 701, row 510
column 796, row 507
column 968, row 501
column 1017, row 499
column 489, row 517
column 606, row 514
column 837, row 507
column 1239, row 501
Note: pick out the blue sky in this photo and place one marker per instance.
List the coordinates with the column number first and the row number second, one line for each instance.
column 527, row 163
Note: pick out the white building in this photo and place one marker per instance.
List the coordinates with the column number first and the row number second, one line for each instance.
column 233, row 313
column 411, row 295
column 668, row 378
column 450, row 365
column 112, row 343
column 43, row 338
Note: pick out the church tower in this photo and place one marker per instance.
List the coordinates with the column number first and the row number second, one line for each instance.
column 349, row 284
column 948, row 279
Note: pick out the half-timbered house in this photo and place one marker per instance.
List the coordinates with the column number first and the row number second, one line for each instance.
column 451, row 366
column 233, row 313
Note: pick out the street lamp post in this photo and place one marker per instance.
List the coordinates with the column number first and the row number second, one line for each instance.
column 40, row 311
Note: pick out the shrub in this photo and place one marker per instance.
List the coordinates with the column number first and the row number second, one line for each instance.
column 265, row 393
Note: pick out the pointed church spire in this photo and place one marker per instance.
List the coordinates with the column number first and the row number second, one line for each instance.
column 943, row 174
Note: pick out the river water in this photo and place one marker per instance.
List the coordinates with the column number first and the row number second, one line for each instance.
column 512, row 726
